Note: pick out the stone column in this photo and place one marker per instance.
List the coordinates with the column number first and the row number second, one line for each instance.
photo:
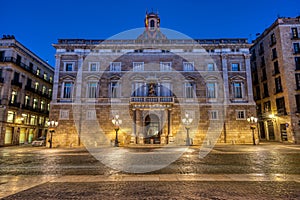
column 225, row 78
column 79, row 80
column 133, row 139
column 56, row 79
column 170, row 135
column 249, row 78
column 162, row 127
column 140, row 133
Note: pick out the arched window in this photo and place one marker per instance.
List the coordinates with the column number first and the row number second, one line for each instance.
column 152, row 22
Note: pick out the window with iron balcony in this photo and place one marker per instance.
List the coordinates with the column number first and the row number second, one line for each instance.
column 296, row 48
column 280, row 104
column 273, row 39
column 295, row 33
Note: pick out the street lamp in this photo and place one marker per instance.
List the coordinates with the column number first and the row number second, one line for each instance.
column 252, row 120
column 117, row 122
column 187, row 121
column 52, row 124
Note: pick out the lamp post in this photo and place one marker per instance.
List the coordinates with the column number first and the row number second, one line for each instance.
column 252, row 120
column 52, row 124
column 187, row 121
column 117, row 122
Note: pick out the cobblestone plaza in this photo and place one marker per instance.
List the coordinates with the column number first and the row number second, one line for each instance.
column 265, row 171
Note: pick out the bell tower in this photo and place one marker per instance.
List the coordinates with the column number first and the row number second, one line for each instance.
column 152, row 28
column 152, row 21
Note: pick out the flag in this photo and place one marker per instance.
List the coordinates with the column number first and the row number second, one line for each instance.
column 146, row 21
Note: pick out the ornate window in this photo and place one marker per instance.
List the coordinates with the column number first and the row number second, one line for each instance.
column 92, row 90
column 115, row 66
column 138, row 66
column 115, row 89
column 211, row 67
column 67, row 90
column 237, row 90
column 211, row 90
column 165, row 66
column 93, row 66
column 188, row 66
column 189, row 90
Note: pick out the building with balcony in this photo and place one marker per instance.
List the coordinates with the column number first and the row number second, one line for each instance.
column 25, row 93
column 151, row 82
column 275, row 65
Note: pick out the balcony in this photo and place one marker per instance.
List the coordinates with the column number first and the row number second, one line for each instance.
column 29, row 88
column 27, row 107
column 275, row 72
column 24, row 66
column 281, row 111
column 278, row 90
column 16, row 83
column 14, row 104
column 152, row 100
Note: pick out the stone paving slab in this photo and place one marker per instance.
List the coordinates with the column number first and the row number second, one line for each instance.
column 129, row 190
column 13, row 184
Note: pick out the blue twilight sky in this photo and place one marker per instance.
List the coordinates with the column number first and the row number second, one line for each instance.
column 38, row 24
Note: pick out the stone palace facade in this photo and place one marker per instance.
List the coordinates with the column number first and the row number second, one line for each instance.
column 151, row 82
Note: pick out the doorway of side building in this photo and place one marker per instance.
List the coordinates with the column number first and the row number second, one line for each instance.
column 262, row 130
column 271, row 130
column 152, row 129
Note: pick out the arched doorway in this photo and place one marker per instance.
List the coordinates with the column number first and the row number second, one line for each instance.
column 152, row 129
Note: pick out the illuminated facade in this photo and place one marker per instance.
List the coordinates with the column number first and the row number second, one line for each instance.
column 25, row 93
column 275, row 64
column 151, row 82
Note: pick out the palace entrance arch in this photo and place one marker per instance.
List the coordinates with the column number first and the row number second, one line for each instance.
column 152, row 129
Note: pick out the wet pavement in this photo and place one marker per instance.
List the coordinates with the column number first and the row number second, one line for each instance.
column 264, row 171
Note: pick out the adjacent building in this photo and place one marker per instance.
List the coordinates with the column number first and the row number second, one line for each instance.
column 151, row 83
column 275, row 65
column 25, row 93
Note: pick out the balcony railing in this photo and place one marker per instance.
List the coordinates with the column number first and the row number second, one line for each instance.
column 16, row 83
column 152, row 99
column 14, row 104
column 24, row 66
column 281, row 111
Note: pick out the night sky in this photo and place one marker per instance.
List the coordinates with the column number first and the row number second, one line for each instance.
column 38, row 24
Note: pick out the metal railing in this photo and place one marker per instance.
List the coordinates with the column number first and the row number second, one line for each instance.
column 152, row 99
column 24, row 66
